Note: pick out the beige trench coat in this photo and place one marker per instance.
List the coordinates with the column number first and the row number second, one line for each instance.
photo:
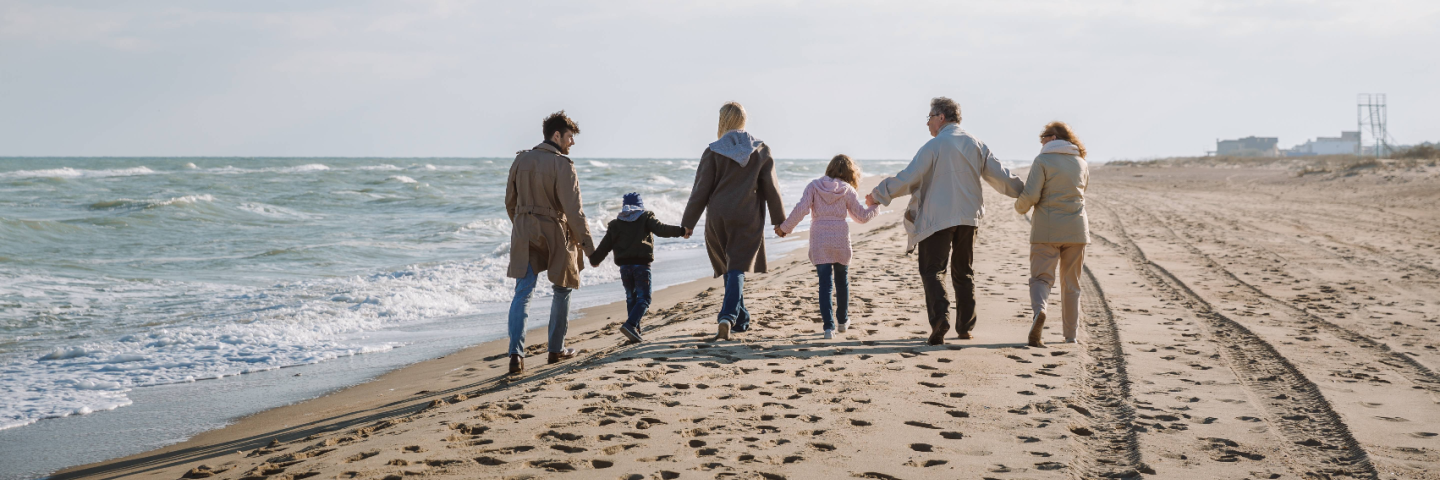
column 549, row 231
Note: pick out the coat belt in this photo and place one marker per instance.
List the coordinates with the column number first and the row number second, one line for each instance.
column 541, row 211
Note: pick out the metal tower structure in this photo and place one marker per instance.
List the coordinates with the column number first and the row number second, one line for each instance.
column 1371, row 119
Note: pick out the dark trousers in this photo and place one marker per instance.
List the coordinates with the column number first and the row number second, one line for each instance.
column 954, row 246
column 636, row 279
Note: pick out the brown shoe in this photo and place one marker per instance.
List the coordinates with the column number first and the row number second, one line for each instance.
column 964, row 336
column 1036, row 328
column 566, row 354
column 517, row 364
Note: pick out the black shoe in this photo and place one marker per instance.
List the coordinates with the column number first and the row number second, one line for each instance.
column 631, row 333
column 937, row 338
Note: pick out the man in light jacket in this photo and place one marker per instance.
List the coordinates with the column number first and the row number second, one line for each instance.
column 946, row 204
column 549, row 233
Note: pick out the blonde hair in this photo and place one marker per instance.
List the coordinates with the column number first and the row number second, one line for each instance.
column 732, row 117
column 1062, row 131
column 844, row 169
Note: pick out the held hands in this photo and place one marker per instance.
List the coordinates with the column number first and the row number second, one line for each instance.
column 688, row 232
column 870, row 200
column 779, row 232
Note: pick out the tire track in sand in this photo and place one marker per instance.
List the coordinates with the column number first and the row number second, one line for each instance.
column 1113, row 449
column 1402, row 364
column 1320, row 442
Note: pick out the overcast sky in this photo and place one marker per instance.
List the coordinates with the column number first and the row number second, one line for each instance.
column 645, row 79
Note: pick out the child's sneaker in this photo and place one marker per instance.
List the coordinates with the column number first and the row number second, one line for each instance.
column 844, row 326
column 631, row 333
column 829, row 334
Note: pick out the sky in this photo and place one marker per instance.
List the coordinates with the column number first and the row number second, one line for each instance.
column 1134, row 79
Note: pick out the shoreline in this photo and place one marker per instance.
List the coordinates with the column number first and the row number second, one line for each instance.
column 241, row 433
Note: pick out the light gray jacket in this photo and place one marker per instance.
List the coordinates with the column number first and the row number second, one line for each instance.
column 1056, row 188
column 943, row 181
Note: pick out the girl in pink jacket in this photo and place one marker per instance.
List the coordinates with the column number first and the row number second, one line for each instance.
column 829, row 200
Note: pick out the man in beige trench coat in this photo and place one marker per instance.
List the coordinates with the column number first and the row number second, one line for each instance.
column 548, row 233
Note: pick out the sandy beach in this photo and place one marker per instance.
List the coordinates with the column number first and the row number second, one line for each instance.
column 1247, row 322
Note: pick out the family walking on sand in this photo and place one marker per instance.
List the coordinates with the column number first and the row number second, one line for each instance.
column 735, row 186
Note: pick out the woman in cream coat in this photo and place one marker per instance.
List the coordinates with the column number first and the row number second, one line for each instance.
column 1059, row 229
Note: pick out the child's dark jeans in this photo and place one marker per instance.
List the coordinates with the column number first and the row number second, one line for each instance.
column 636, row 279
column 842, row 293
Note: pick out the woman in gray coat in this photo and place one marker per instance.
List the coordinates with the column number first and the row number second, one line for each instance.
column 1059, row 229
column 734, row 184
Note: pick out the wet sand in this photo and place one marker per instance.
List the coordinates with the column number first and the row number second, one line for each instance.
column 1238, row 323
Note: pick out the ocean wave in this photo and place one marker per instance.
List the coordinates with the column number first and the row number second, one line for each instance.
column 402, row 179
column 385, row 167
column 67, row 172
column 146, row 204
column 274, row 211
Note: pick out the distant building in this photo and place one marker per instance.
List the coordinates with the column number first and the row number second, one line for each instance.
column 1348, row 143
column 1248, row 147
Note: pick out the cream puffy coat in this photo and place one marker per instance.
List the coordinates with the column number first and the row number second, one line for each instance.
column 1056, row 189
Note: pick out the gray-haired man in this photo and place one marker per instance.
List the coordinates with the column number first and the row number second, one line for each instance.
column 946, row 205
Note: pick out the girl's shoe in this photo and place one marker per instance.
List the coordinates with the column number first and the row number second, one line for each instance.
column 1071, row 340
column 844, row 326
column 829, row 334
column 1036, row 328
column 724, row 333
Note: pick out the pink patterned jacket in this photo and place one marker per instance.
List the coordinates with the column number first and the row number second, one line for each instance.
column 829, row 201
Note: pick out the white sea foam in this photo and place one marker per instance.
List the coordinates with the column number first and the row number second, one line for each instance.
column 599, row 163
column 384, row 167
column 402, row 179
column 151, row 203
column 67, row 172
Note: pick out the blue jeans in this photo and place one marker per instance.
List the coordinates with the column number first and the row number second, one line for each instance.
column 636, row 279
column 732, row 309
column 842, row 293
column 559, row 314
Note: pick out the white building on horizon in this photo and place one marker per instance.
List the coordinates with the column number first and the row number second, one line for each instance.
column 1348, row 143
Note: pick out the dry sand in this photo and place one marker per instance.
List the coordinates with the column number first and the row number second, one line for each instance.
column 1239, row 323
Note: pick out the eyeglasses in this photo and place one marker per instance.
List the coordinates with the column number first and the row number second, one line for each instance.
column 1046, row 136
column 933, row 115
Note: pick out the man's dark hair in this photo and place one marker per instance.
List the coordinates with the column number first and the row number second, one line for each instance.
column 947, row 107
column 558, row 122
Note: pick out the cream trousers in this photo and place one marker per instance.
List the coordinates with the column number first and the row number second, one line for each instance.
column 1044, row 260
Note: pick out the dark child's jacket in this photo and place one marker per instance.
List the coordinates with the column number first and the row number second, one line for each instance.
column 632, row 240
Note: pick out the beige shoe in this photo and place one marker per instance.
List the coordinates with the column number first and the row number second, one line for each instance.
column 724, row 333
column 1036, row 328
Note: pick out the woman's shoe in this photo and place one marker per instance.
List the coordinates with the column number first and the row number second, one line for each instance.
column 844, row 326
column 829, row 334
column 1036, row 328
column 724, row 333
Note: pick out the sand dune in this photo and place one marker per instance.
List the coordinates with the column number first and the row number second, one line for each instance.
column 1239, row 323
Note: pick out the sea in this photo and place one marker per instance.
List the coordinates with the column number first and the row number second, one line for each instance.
column 145, row 300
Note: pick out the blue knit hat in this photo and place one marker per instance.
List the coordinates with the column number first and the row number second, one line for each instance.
column 633, row 198
column 633, row 207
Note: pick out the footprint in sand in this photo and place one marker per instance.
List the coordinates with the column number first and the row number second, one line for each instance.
column 922, row 447
column 921, row 424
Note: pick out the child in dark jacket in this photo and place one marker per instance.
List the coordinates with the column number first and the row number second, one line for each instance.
column 629, row 235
